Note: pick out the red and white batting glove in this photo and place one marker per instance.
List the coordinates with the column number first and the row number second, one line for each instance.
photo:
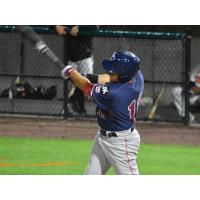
column 66, row 71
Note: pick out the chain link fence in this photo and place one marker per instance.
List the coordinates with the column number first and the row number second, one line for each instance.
column 31, row 84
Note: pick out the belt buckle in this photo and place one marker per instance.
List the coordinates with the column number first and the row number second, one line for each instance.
column 113, row 134
column 108, row 134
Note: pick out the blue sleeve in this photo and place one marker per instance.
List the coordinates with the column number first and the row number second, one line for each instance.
column 101, row 96
column 138, row 82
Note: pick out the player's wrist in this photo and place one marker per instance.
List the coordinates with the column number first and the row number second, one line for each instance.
column 93, row 78
column 65, row 73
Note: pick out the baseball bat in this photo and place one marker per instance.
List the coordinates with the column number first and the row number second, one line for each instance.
column 39, row 44
column 152, row 112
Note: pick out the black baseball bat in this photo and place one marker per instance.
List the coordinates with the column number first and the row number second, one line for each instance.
column 39, row 44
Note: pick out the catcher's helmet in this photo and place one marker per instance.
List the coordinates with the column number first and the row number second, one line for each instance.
column 123, row 63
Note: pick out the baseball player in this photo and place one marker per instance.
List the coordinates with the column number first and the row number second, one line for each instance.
column 178, row 94
column 117, row 141
column 79, row 54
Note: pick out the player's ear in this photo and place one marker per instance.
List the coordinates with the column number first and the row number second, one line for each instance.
column 114, row 77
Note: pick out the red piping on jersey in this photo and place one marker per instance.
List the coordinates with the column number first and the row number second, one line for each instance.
column 126, row 146
column 88, row 88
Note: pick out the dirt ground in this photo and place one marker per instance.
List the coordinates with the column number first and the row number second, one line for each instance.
column 81, row 129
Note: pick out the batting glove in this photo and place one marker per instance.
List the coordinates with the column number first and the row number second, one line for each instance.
column 66, row 71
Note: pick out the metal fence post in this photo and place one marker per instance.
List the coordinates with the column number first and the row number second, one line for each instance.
column 65, row 102
column 22, row 45
column 65, row 88
column 187, row 44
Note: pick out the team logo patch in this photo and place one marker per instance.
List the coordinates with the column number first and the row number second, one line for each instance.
column 104, row 90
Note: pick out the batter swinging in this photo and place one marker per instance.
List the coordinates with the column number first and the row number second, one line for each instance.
column 117, row 141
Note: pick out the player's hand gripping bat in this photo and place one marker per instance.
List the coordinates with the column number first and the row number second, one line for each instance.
column 40, row 45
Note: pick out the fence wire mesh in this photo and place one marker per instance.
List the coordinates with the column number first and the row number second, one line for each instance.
column 31, row 84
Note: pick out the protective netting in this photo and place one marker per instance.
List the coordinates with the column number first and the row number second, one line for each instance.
column 41, row 89
column 162, row 62
column 30, row 83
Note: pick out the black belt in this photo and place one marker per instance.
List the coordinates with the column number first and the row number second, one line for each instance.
column 110, row 134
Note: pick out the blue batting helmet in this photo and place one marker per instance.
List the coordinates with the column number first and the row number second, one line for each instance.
column 124, row 63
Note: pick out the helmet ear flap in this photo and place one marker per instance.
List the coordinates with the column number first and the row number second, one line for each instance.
column 122, row 78
column 125, row 77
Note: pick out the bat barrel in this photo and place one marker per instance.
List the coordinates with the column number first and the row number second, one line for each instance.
column 40, row 45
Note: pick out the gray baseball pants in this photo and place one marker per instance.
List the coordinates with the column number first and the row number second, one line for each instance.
column 119, row 152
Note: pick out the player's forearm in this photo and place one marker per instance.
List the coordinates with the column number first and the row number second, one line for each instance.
column 80, row 81
column 101, row 79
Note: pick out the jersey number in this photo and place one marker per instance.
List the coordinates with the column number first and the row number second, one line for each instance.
column 132, row 110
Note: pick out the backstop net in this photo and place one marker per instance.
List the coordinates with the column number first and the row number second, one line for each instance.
column 31, row 84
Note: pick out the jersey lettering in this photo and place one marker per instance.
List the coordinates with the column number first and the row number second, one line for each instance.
column 104, row 90
column 100, row 113
column 132, row 110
